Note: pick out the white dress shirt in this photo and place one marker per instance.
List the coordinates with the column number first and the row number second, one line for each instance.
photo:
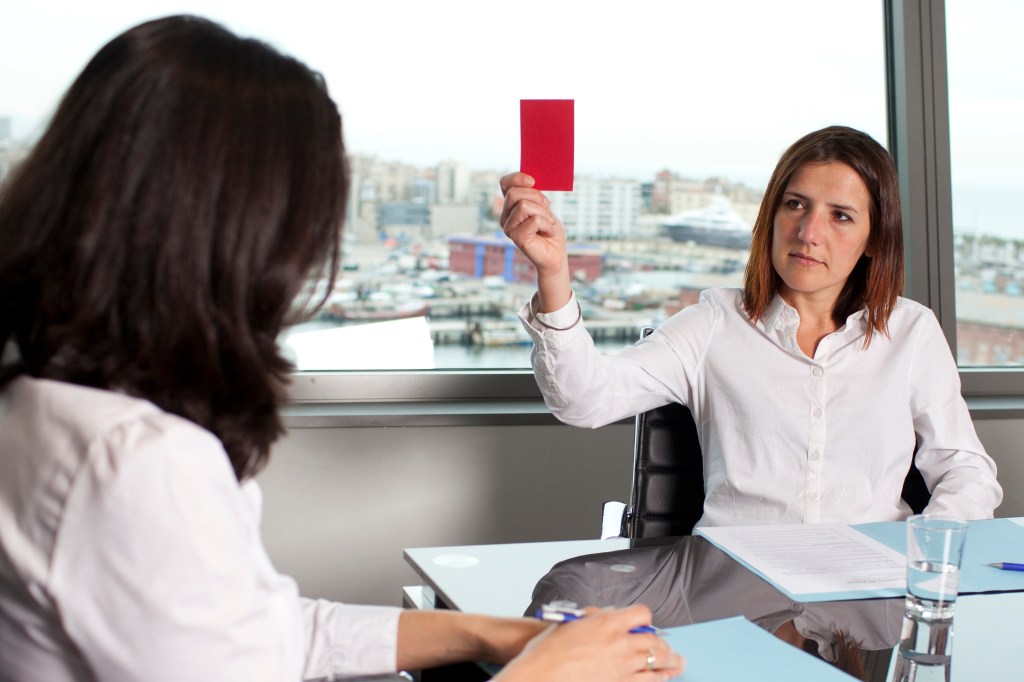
column 129, row 551
column 785, row 438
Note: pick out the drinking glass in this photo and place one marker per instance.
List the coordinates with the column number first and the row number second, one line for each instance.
column 934, row 547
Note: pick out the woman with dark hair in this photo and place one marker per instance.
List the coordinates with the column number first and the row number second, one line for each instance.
column 815, row 386
column 154, row 243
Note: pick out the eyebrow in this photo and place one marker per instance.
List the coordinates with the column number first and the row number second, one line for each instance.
column 806, row 199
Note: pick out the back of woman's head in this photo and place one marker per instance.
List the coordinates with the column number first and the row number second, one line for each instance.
column 155, row 238
column 876, row 280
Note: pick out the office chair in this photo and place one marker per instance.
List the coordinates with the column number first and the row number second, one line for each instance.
column 667, row 492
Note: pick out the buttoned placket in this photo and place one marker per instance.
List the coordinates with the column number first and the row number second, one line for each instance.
column 816, row 432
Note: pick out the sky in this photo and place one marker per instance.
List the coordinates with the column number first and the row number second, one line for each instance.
column 701, row 88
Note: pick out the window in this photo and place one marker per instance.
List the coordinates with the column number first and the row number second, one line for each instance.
column 986, row 107
column 681, row 109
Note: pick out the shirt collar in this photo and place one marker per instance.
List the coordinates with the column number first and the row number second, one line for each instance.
column 779, row 314
column 781, row 321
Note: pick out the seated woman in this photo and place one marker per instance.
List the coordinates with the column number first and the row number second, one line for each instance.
column 814, row 385
column 188, row 186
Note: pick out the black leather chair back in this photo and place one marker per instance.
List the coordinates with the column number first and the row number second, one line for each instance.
column 668, row 474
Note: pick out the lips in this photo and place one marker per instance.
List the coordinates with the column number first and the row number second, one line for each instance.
column 805, row 259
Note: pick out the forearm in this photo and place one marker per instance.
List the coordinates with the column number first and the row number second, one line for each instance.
column 553, row 288
column 428, row 639
column 966, row 492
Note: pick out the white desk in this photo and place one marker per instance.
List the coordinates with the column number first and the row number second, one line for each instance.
column 496, row 580
column 499, row 580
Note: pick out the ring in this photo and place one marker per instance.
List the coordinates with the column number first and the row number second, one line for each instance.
column 650, row 660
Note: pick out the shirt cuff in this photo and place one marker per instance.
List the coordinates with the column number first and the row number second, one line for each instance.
column 563, row 319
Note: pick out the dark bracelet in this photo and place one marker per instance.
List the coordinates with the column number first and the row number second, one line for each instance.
column 535, row 314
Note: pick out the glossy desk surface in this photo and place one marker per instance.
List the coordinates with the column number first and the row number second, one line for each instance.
column 692, row 581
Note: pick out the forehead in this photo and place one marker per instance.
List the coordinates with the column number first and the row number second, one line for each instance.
column 832, row 182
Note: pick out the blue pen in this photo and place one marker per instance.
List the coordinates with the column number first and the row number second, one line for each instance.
column 562, row 614
column 1007, row 566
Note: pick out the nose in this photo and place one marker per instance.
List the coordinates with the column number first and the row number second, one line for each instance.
column 811, row 227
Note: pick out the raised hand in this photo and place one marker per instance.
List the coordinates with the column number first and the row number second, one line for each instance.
column 527, row 219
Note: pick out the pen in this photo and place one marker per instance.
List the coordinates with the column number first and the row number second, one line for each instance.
column 559, row 614
column 1007, row 566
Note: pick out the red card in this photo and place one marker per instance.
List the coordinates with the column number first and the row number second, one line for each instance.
column 547, row 142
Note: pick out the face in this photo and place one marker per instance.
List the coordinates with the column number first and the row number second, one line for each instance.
column 820, row 232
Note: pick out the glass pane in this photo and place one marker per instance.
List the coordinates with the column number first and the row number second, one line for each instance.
column 682, row 109
column 986, row 110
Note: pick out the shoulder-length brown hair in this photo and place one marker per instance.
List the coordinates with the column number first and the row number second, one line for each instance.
column 876, row 280
column 154, row 239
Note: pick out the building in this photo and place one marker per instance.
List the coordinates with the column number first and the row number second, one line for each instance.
column 452, row 179
column 498, row 257
column 598, row 209
column 447, row 220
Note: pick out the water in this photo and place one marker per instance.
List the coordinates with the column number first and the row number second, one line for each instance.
column 925, row 650
column 926, row 642
column 931, row 589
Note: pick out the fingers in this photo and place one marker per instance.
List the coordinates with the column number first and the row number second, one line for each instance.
column 654, row 656
column 515, row 180
column 528, row 219
column 518, row 197
column 660, row 660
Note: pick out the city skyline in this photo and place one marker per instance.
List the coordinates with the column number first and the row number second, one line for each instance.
column 702, row 89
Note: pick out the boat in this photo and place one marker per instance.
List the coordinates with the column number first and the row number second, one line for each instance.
column 714, row 225
column 374, row 311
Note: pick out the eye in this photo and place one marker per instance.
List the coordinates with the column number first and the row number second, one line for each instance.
column 793, row 204
column 841, row 217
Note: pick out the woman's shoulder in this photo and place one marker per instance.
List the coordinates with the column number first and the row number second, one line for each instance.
column 908, row 313
column 722, row 297
column 706, row 314
column 77, row 423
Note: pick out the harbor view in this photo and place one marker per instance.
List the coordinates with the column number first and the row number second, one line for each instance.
column 428, row 280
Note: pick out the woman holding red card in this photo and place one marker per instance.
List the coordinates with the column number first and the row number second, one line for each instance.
column 814, row 386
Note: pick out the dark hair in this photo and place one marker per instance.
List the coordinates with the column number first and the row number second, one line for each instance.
column 155, row 238
column 876, row 280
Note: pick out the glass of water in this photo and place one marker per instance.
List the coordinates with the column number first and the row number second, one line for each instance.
column 934, row 547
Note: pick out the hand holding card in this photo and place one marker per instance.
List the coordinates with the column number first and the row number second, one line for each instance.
column 547, row 142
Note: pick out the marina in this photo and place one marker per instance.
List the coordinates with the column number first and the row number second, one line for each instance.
column 449, row 320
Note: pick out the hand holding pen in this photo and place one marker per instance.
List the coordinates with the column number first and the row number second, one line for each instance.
column 563, row 614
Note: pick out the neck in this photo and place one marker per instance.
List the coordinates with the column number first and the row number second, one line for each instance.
column 815, row 311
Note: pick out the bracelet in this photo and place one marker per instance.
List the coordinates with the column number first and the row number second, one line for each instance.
column 535, row 315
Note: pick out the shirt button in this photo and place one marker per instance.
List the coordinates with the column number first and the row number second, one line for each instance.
column 814, row 455
column 816, row 412
column 812, row 496
column 817, row 371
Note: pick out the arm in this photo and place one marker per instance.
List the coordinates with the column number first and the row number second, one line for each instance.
column 159, row 567
column 428, row 639
column 581, row 386
column 955, row 466
column 527, row 219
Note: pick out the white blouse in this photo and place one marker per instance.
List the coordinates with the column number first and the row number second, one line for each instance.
column 129, row 551
column 785, row 438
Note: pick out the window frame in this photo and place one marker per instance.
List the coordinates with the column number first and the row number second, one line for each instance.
column 918, row 120
column 918, row 92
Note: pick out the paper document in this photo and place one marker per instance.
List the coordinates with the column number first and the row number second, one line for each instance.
column 815, row 562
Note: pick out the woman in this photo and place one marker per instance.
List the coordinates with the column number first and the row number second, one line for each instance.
column 813, row 386
column 188, row 186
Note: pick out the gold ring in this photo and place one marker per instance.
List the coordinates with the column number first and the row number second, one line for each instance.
column 650, row 659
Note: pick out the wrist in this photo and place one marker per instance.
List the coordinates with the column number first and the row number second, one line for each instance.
column 501, row 639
